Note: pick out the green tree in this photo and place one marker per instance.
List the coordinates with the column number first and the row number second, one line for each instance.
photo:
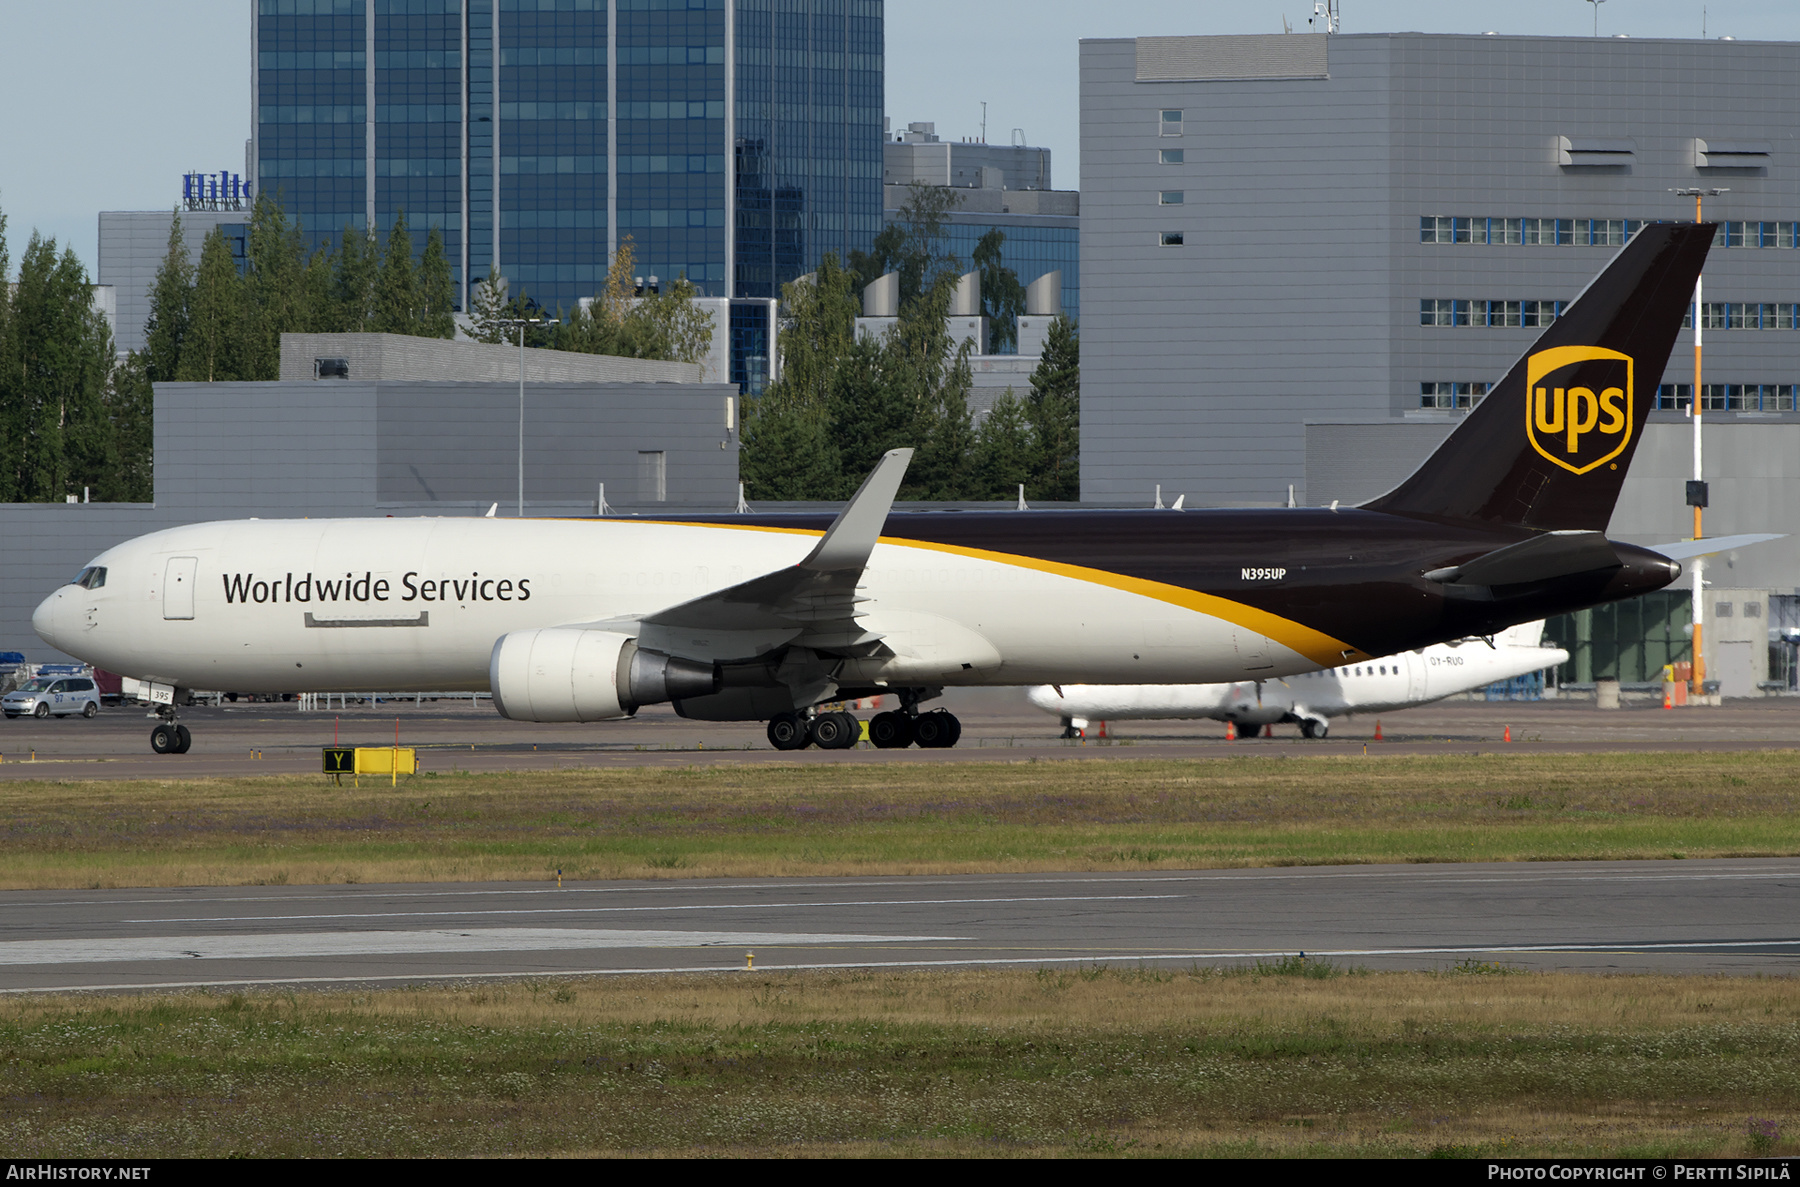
column 916, row 244
column 11, row 431
column 397, row 303
column 885, row 254
column 130, row 408
column 275, row 291
column 1054, row 409
column 788, row 452
column 166, row 328
column 873, row 408
column 353, row 278
column 1002, row 296
column 487, row 302
column 935, row 371
column 667, row 325
column 1005, row 452
column 58, row 355
column 214, row 347
column 437, row 291
column 817, row 332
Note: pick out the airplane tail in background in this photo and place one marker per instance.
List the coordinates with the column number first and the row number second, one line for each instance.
column 1526, row 634
column 1549, row 446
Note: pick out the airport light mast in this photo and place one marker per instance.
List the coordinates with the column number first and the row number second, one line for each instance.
column 522, row 322
column 1696, row 489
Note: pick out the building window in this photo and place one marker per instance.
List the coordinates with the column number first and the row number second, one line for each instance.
column 1171, row 122
column 1674, row 396
column 1506, row 230
column 1170, row 156
column 1451, row 394
column 1445, row 311
column 1171, row 239
column 1171, row 198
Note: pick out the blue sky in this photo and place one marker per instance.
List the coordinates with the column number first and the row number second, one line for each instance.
column 105, row 103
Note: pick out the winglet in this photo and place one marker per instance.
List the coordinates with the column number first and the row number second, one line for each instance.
column 852, row 535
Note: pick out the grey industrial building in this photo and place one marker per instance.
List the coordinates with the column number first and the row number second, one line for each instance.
column 133, row 245
column 1303, row 257
column 375, row 446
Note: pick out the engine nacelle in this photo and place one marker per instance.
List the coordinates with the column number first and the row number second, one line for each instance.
column 571, row 674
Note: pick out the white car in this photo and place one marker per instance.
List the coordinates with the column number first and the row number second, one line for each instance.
column 48, row 696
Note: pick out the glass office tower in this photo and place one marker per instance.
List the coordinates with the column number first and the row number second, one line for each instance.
column 734, row 141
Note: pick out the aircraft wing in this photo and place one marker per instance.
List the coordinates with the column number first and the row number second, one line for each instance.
column 814, row 602
column 1688, row 549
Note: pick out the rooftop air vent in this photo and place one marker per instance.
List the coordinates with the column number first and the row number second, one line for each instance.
column 1588, row 152
column 1731, row 154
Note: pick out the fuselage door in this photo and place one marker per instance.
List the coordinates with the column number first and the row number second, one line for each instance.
column 1415, row 675
column 178, row 587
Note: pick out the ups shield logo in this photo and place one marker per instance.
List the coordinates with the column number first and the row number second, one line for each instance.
column 1578, row 405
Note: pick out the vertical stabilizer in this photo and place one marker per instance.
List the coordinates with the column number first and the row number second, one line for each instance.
column 1549, row 446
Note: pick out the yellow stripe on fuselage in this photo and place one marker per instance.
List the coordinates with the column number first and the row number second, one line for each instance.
column 1315, row 645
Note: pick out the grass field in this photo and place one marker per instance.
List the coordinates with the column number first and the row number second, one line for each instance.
column 1465, row 1062
column 741, row 821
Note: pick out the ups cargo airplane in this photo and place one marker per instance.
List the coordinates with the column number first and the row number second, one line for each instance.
column 766, row 617
column 1312, row 699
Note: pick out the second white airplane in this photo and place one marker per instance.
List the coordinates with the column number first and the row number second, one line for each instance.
column 1311, row 699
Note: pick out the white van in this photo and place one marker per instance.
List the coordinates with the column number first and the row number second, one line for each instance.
column 45, row 696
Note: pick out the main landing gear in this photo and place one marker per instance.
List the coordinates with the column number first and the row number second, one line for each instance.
column 893, row 730
column 169, row 737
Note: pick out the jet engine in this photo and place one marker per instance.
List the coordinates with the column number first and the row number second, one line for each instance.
column 570, row 674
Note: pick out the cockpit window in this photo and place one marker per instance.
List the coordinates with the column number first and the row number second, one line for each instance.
column 92, row 577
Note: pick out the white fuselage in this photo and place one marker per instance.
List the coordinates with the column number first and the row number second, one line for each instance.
column 1380, row 685
column 417, row 604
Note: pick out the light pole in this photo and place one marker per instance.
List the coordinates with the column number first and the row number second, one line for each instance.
column 521, row 323
column 1696, row 489
column 1596, row 4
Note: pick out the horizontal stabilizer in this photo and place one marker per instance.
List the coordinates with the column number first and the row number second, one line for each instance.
column 1541, row 558
column 1688, row 549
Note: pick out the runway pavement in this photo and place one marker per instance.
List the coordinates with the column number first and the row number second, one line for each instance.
column 1693, row 916
column 275, row 738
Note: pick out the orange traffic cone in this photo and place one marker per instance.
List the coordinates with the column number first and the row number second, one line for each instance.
column 1508, row 737
column 1668, row 697
column 1230, row 730
column 1268, row 731
column 1378, row 729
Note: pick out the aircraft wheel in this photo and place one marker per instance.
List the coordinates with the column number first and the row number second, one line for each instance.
column 43, row 709
column 836, row 731
column 183, row 739
column 937, row 730
column 1314, row 729
column 787, row 732
column 891, row 730
column 90, row 710
column 163, row 739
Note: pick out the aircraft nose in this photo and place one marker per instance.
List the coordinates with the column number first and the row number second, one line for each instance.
column 43, row 619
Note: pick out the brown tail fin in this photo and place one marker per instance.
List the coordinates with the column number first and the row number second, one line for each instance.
column 1549, row 446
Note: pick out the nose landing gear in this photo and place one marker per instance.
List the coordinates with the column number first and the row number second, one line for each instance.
column 169, row 737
